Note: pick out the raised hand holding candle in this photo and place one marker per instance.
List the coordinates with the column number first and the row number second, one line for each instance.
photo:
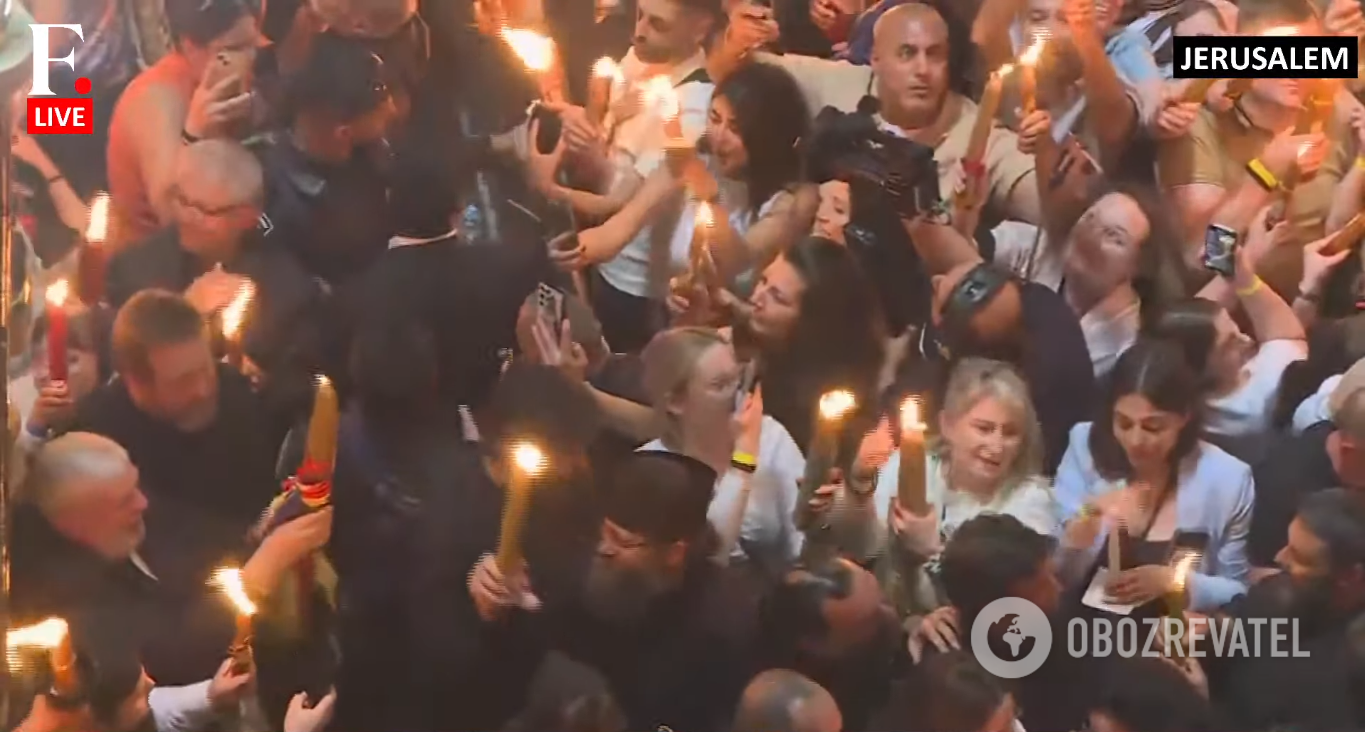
column 910, row 486
column 834, row 408
column 229, row 580
column 704, row 225
column 527, row 464
column 52, row 637
column 605, row 76
column 1028, row 76
column 233, row 317
column 660, row 96
column 91, row 259
column 56, row 296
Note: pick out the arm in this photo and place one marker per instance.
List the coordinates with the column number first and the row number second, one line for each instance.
column 1071, row 488
column 790, row 216
column 1110, row 113
column 607, row 241
column 941, row 247
column 70, row 207
column 1347, row 199
column 626, row 417
column 181, row 708
column 1207, row 592
column 1013, row 178
column 158, row 141
column 990, row 32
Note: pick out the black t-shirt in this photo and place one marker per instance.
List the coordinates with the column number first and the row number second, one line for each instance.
column 1294, row 467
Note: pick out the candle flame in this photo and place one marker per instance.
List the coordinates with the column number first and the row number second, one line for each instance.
column 1281, row 30
column 229, row 580
column 910, row 417
column 528, row 458
column 835, row 404
column 323, row 381
column 1182, row 570
column 705, row 216
column 97, row 230
column 1005, row 70
column 537, row 52
column 48, row 634
column 658, row 94
column 1030, row 55
column 605, row 68
column 235, row 312
column 57, row 292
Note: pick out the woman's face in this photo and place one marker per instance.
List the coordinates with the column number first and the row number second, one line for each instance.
column 833, row 214
column 722, row 130
column 707, row 401
column 985, row 440
column 777, row 301
column 1231, row 349
column 1147, row 434
column 1105, row 242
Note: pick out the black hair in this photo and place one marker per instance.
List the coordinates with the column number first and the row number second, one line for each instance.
column 1158, row 371
column 946, row 692
column 393, row 366
column 792, row 610
column 342, row 79
column 540, row 401
column 201, row 21
column 985, row 560
column 1337, row 518
column 108, row 664
column 772, row 117
column 425, row 193
column 1151, row 695
column 1190, row 324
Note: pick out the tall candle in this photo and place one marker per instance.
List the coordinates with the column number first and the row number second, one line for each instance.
column 1348, row 236
column 233, row 317
column 910, row 487
column 834, row 408
column 321, row 454
column 605, row 75
column 1197, row 91
column 1115, row 551
column 91, row 258
column 229, row 580
column 526, row 466
column 703, row 225
column 56, row 296
column 1028, row 77
column 985, row 115
column 1175, row 599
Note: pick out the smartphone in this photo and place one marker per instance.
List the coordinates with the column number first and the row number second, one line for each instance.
column 550, row 300
column 1220, row 249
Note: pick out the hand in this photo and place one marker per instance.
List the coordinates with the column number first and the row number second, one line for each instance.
column 217, row 103
column 54, row 409
column 1287, row 150
column 493, row 595
column 749, row 423
column 541, row 168
column 968, row 197
column 1082, row 531
column 874, row 451
column 751, row 27
column 1317, row 264
column 701, row 183
column 229, row 685
column 582, row 134
column 1191, row 669
column 823, row 499
column 1082, row 16
column 213, row 290
column 1139, row 585
column 1217, row 99
column 919, row 535
column 28, row 150
column 1343, row 18
column 591, row 250
column 563, row 352
column 1261, row 239
column 300, row 537
column 1031, row 130
column 1176, row 117
column 824, row 14
column 938, row 629
column 302, row 718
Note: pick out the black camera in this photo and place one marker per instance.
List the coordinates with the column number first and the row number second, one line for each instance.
column 880, row 168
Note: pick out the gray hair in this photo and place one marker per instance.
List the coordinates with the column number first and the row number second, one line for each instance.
column 72, row 458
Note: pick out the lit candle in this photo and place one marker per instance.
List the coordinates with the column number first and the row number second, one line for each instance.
column 910, row 486
column 660, row 96
column 1028, row 76
column 703, row 225
column 233, row 316
column 526, row 466
column 537, row 54
column 229, row 580
column 981, row 131
column 1175, row 599
column 56, row 296
column 90, row 264
column 834, row 408
column 52, row 637
column 605, row 76
column 320, row 458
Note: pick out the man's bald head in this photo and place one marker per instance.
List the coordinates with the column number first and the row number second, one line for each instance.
column 87, row 488
column 895, row 24
column 780, row 700
column 911, row 50
column 222, row 170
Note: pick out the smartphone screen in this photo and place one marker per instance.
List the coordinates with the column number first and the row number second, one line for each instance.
column 1220, row 249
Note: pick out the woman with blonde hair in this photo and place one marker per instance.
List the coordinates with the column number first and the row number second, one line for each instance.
column 987, row 458
column 694, row 382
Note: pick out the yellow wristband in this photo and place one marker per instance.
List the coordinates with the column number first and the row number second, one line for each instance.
column 1262, row 175
column 1252, row 289
column 1360, row 162
column 745, row 459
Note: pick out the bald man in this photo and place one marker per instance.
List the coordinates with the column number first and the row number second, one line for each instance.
column 913, row 61
column 780, row 700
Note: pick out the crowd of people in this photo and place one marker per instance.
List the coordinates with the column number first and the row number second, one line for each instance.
column 1129, row 319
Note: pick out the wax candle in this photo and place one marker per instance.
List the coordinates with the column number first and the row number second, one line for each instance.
column 321, row 452
column 1197, row 91
column 91, row 258
column 910, row 487
column 229, row 581
column 51, row 636
column 526, row 466
column 704, row 224
column 1028, row 77
column 56, row 296
column 233, row 317
column 834, row 408
column 605, row 75
column 1176, row 598
column 1115, row 550
column 985, row 115
column 1348, row 236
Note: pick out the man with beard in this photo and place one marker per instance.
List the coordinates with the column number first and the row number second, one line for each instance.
column 1322, row 588
column 832, row 623
column 670, row 630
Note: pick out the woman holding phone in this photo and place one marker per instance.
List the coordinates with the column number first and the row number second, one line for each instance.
column 202, row 90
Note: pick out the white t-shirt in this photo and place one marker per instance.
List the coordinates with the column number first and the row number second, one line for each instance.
column 1239, row 422
column 1317, row 407
column 768, row 515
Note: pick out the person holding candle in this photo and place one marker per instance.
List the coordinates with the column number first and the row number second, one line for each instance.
column 48, row 407
column 987, row 460
column 1143, row 466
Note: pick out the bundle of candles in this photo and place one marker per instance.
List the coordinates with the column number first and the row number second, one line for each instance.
column 50, row 637
column 526, row 466
column 989, row 107
column 229, row 580
column 834, row 409
column 91, row 259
